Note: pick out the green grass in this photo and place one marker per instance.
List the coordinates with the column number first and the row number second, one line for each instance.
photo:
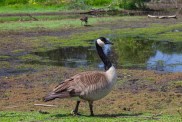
column 41, row 7
column 98, row 2
column 154, row 32
column 28, row 8
column 3, row 57
column 39, row 25
column 40, row 18
column 158, row 33
column 63, row 116
column 51, row 24
column 5, row 64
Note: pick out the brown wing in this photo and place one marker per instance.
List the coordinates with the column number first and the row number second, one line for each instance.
column 80, row 83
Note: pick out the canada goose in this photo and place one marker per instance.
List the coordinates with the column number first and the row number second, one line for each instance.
column 84, row 19
column 90, row 85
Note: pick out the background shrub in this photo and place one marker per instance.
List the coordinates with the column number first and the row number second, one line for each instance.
column 78, row 5
column 98, row 2
column 132, row 4
column 12, row 2
column 127, row 4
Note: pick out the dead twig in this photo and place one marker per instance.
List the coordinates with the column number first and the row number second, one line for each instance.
column 45, row 105
column 12, row 106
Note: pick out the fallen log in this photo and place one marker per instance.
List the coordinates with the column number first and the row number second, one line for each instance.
column 162, row 17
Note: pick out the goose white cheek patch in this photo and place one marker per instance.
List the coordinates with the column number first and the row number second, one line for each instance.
column 100, row 43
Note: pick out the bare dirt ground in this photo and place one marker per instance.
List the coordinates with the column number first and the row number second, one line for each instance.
column 136, row 90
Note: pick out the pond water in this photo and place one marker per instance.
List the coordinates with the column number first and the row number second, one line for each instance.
column 161, row 56
column 72, row 56
column 167, row 57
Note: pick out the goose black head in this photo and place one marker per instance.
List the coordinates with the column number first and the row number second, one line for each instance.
column 103, row 41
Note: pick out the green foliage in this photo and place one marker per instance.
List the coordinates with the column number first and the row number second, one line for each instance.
column 2, row 2
column 42, row 2
column 70, row 4
column 12, row 2
column 132, row 4
column 140, row 4
column 78, row 5
column 127, row 4
column 29, row 8
column 98, row 2
column 50, row 2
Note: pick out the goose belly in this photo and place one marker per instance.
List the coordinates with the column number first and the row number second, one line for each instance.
column 97, row 94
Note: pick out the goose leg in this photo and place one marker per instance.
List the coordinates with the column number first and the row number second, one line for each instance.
column 75, row 111
column 91, row 108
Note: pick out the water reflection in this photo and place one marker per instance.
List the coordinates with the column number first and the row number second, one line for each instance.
column 161, row 56
column 133, row 52
column 74, row 56
column 165, row 62
column 168, row 57
column 70, row 56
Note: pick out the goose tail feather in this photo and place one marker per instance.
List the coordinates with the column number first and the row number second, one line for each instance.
column 53, row 96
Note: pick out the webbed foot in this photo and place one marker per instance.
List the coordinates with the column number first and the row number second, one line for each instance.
column 74, row 113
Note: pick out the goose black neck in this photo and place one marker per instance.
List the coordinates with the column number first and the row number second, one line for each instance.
column 104, row 58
